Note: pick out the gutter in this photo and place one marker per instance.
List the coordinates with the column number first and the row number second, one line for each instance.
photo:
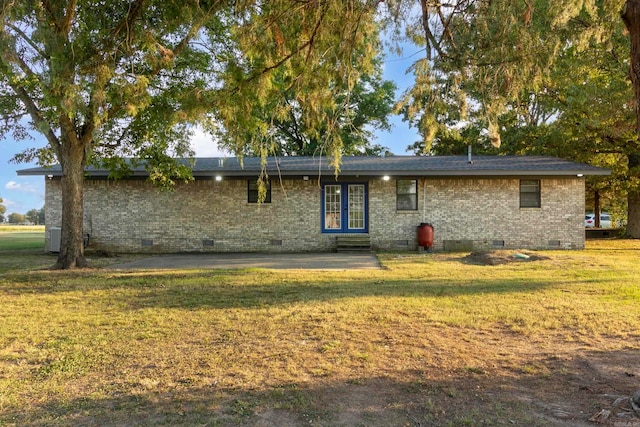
column 376, row 173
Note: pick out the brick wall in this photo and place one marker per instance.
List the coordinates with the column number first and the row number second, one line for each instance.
column 212, row 216
column 485, row 212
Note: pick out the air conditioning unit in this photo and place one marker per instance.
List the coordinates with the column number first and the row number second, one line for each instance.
column 55, row 236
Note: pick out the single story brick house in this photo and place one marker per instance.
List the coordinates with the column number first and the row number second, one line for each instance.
column 515, row 202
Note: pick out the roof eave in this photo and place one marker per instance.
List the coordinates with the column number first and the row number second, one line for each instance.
column 428, row 173
column 314, row 173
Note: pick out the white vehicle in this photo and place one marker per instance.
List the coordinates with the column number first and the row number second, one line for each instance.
column 605, row 220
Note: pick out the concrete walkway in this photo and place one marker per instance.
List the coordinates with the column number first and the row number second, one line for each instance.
column 306, row 261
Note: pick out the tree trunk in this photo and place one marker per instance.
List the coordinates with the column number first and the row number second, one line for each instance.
column 72, row 161
column 631, row 17
column 633, row 200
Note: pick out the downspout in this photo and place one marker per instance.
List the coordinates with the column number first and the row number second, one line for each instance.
column 424, row 200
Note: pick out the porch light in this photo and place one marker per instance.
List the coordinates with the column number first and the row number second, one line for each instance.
column 218, row 178
column 386, row 178
column 580, row 175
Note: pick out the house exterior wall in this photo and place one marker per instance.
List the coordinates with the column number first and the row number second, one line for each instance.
column 212, row 216
column 488, row 213
column 203, row 215
column 484, row 213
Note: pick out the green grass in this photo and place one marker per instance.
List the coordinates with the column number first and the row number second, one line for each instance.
column 12, row 239
column 22, row 248
column 429, row 340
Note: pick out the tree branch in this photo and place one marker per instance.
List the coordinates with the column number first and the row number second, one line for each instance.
column 9, row 56
column 431, row 40
column 315, row 33
column 65, row 28
column 180, row 46
column 26, row 39
column 36, row 116
column 47, row 6
column 274, row 66
column 128, row 21
column 12, row 57
column 297, row 50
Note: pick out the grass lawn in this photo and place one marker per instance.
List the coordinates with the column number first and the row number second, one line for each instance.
column 13, row 238
column 444, row 339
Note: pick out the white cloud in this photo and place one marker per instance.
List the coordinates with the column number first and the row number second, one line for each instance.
column 24, row 188
column 204, row 145
column 9, row 204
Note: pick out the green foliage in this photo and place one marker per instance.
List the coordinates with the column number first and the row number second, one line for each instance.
column 15, row 218
column 484, row 59
column 32, row 216
column 304, row 69
column 361, row 110
column 3, row 209
column 131, row 78
column 528, row 77
column 596, row 115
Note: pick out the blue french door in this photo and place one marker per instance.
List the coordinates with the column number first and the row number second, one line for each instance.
column 344, row 208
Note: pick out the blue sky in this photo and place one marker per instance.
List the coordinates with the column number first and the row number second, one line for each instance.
column 23, row 193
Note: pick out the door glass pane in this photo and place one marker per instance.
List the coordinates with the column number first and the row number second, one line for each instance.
column 332, row 203
column 356, row 207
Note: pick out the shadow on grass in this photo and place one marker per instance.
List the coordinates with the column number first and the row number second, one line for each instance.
column 223, row 289
column 566, row 391
column 22, row 261
column 251, row 296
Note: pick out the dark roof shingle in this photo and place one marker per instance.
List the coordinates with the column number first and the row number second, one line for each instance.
column 444, row 166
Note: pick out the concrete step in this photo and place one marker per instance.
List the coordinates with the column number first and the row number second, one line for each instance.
column 355, row 243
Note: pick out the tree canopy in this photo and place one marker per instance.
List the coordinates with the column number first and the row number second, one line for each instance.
column 364, row 108
column 103, row 80
column 3, row 209
column 15, row 218
column 530, row 76
column 35, row 216
column 485, row 56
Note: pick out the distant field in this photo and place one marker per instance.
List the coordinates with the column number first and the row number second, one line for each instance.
column 13, row 227
column 14, row 238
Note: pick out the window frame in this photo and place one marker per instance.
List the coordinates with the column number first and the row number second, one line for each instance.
column 342, row 210
column 526, row 202
column 414, row 194
column 252, row 192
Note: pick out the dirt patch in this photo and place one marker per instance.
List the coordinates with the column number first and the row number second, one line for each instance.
column 502, row 257
column 575, row 389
